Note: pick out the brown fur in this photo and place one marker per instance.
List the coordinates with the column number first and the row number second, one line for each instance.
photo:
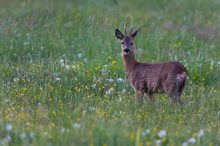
column 167, row 77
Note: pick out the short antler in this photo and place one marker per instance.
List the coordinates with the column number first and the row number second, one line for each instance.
column 125, row 29
column 131, row 29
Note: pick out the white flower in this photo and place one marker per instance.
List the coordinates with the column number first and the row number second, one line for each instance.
column 16, row 79
column 76, row 126
column 192, row 140
column 8, row 137
column 110, row 80
column 93, row 86
column 8, row 127
column 184, row 144
column 32, row 134
column 162, row 133
column 74, row 67
column 67, row 67
column 108, row 92
column 200, row 133
column 218, row 62
column 57, row 79
column 158, row 142
column 62, row 130
column 80, row 55
column 119, row 100
column 123, row 91
column 120, row 80
column 120, row 112
column 91, row 109
column 61, row 61
column 219, row 113
column 146, row 132
column 85, row 60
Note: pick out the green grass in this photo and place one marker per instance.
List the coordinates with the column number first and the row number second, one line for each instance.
column 36, row 36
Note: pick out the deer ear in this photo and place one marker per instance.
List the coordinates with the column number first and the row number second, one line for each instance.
column 133, row 35
column 118, row 34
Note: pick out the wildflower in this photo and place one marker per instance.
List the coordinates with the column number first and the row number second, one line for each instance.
column 120, row 80
column 62, row 130
column 200, row 133
column 219, row 113
column 67, row 67
column 57, row 79
column 192, row 140
column 74, row 67
column 146, row 132
column 61, row 61
column 16, row 79
column 108, row 92
column 218, row 63
column 80, row 55
column 162, row 133
column 93, row 86
column 184, row 144
column 158, row 142
column 8, row 127
column 119, row 100
column 76, row 126
column 120, row 112
column 110, row 80
column 6, row 140
column 91, row 109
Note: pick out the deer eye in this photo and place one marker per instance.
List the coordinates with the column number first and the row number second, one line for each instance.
column 122, row 43
column 131, row 43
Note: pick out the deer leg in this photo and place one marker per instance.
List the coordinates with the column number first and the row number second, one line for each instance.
column 139, row 96
column 174, row 93
column 151, row 97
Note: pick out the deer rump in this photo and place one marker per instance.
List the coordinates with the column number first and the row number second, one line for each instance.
column 169, row 77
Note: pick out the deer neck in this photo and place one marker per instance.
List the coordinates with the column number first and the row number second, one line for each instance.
column 129, row 61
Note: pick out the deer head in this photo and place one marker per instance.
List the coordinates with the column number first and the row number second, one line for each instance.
column 126, row 40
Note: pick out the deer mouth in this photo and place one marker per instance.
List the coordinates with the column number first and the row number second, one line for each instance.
column 126, row 51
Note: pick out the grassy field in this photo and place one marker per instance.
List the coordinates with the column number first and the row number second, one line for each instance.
column 63, row 80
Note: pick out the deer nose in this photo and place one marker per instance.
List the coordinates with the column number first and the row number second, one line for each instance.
column 126, row 50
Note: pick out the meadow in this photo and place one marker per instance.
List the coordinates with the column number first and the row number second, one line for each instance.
column 62, row 79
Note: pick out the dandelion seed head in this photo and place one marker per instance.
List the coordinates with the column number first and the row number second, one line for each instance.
column 67, row 67
column 192, row 140
column 57, row 79
column 16, row 79
column 162, row 133
column 61, row 61
column 76, row 125
column 201, row 133
column 80, row 55
column 8, row 127
column 184, row 144
column 110, row 80
column 120, row 80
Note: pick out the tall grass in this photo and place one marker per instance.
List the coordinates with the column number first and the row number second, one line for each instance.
column 63, row 80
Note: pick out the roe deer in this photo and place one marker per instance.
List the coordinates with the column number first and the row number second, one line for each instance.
column 167, row 77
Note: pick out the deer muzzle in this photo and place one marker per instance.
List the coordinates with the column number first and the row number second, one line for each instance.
column 126, row 51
